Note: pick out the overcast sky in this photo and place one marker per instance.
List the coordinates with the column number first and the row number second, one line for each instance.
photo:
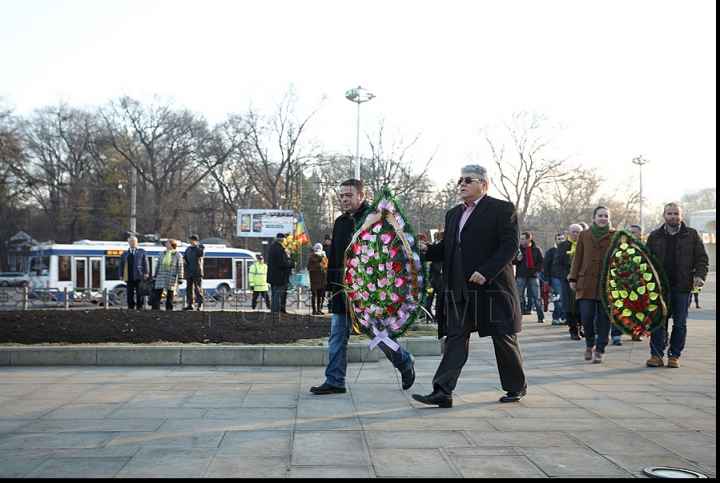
column 626, row 78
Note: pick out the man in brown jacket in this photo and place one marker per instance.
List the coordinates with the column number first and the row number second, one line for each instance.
column 681, row 251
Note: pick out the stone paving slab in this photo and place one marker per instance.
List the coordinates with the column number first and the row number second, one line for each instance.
column 579, row 420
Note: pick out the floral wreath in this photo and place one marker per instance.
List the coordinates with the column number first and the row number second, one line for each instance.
column 635, row 286
column 385, row 276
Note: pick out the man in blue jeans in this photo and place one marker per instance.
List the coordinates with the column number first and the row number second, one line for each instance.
column 681, row 251
column 528, row 263
column 352, row 197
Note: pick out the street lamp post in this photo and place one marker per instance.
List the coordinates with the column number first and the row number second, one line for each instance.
column 359, row 95
column 640, row 161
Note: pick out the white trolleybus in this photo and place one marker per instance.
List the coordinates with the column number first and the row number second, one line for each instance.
column 86, row 268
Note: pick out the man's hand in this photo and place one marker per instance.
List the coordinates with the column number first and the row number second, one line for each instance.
column 572, row 286
column 699, row 282
column 422, row 247
column 477, row 278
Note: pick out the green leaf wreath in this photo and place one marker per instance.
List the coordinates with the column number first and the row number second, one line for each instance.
column 635, row 286
column 385, row 275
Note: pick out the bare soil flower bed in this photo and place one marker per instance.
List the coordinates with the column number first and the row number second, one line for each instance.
column 99, row 326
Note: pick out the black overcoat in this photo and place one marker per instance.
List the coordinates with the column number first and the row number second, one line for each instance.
column 279, row 264
column 489, row 243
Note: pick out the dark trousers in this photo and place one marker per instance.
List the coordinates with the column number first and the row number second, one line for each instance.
column 157, row 295
column 279, row 298
column 457, row 346
column 428, row 306
column 574, row 322
column 133, row 299
column 194, row 291
column 256, row 295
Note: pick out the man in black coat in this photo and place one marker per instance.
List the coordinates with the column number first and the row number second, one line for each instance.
column 352, row 196
column 478, row 292
column 194, row 259
column 280, row 267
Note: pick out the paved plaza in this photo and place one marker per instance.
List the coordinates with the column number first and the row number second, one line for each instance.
column 579, row 419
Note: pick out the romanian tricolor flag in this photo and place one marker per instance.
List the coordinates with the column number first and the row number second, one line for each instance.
column 301, row 233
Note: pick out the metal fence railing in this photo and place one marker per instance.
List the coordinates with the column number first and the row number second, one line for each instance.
column 25, row 298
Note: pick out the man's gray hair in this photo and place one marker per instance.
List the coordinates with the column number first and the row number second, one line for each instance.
column 576, row 226
column 131, row 237
column 480, row 172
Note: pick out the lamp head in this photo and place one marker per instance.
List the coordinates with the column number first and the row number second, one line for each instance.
column 358, row 94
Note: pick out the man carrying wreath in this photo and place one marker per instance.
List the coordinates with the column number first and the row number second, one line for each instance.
column 352, row 197
column 682, row 253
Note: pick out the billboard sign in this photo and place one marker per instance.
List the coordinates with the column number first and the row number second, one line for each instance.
column 264, row 223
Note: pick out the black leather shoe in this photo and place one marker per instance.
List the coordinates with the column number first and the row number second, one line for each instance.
column 190, row 307
column 513, row 396
column 574, row 337
column 408, row 377
column 326, row 388
column 437, row 397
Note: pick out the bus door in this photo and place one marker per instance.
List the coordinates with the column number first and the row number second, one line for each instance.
column 242, row 266
column 88, row 277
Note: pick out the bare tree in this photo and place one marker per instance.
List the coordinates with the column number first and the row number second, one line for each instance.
column 705, row 199
column 13, row 188
column 393, row 164
column 62, row 167
column 172, row 152
column 276, row 151
column 532, row 165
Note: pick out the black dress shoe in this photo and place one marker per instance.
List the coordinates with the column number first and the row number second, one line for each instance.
column 408, row 377
column 190, row 307
column 437, row 397
column 574, row 337
column 513, row 396
column 326, row 388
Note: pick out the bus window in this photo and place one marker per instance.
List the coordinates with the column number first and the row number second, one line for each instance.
column 40, row 265
column 111, row 268
column 224, row 268
column 240, row 275
column 64, row 268
column 217, row 268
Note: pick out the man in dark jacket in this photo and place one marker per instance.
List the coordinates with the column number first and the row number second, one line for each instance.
column 681, row 251
column 352, row 196
column 552, row 279
column 528, row 262
column 280, row 266
column 194, row 260
column 478, row 291
column 134, row 266
column 562, row 262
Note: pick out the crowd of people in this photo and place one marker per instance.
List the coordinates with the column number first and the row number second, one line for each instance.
column 484, row 275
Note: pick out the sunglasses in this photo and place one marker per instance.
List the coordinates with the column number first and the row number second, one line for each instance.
column 466, row 180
